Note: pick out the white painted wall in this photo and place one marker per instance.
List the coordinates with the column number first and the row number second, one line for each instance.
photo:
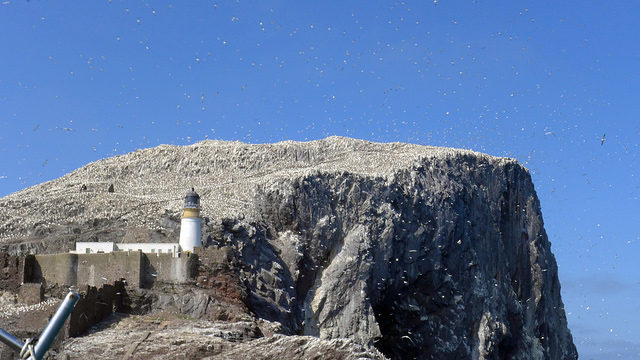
column 164, row 248
column 107, row 247
column 94, row 247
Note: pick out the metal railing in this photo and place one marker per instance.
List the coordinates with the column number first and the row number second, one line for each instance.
column 29, row 350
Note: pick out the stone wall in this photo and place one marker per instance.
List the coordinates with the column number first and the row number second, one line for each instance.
column 140, row 270
column 11, row 275
column 168, row 269
column 60, row 269
column 99, row 269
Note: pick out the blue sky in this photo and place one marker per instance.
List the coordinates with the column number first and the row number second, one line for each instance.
column 539, row 81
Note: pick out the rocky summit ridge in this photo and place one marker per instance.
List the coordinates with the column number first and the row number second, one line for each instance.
column 411, row 251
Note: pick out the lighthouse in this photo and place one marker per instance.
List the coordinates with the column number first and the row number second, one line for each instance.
column 190, row 231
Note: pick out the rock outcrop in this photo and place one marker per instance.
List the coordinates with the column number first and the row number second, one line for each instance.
column 418, row 252
column 145, row 338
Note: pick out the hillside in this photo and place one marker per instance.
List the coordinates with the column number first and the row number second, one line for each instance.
column 149, row 185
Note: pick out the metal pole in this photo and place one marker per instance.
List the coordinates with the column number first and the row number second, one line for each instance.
column 11, row 341
column 50, row 331
column 55, row 324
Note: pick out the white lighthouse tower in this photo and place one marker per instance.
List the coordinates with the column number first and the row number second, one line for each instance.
column 190, row 231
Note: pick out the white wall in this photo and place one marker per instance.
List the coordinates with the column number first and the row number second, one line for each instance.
column 94, row 247
column 107, row 247
column 165, row 248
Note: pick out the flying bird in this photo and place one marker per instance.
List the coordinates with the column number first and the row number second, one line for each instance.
column 603, row 139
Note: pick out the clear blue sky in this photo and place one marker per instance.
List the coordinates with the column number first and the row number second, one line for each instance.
column 540, row 81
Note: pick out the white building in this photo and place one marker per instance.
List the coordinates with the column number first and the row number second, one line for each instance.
column 107, row 247
column 94, row 247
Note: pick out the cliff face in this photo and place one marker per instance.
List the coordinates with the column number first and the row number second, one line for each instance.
column 446, row 259
column 420, row 252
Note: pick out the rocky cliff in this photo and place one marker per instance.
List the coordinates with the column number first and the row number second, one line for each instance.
column 419, row 252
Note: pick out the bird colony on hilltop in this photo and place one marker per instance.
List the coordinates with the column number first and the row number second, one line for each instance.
column 149, row 183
